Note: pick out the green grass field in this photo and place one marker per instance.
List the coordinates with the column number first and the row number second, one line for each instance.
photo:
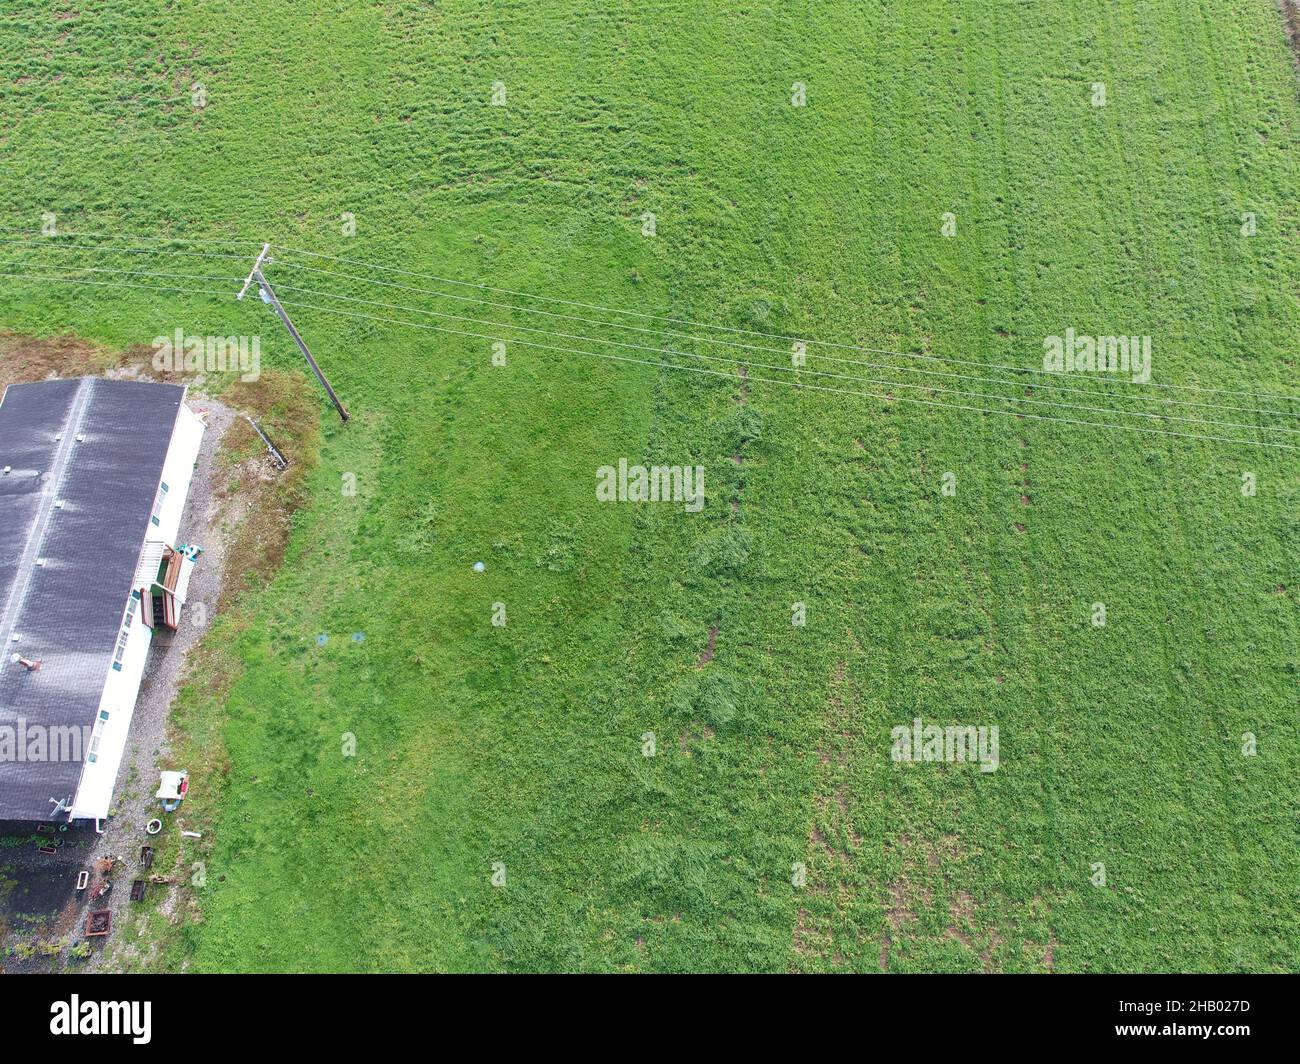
column 521, row 746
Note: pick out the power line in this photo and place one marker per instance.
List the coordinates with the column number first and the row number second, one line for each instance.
column 798, row 385
column 773, row 350
column 681, row 321
column 694, row 369
column 795, row 384
column 786, row 369
column 749, row 332
column 751, row 347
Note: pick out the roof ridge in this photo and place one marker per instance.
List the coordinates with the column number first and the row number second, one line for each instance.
column 39, row 530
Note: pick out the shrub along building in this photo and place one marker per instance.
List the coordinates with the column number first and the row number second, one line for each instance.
column 93, row 479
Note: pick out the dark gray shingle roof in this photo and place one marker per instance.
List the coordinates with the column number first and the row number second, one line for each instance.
column 68, row 609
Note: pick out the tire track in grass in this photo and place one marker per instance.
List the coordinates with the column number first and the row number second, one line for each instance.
column 1016, row 51
column 923, row 851
column 1219, row 736
column 835, row 919
column 980, row 918
column 1154, row 482
column 1089, row 652
column 1203, row 716
column 909, row 828
column 1074, row 457
column 1170, row 599
column 916, row 870
column 1007, row 448
column 1091, row 838
column 840, row 915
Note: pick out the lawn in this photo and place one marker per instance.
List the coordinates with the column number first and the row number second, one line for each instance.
column 500, row 812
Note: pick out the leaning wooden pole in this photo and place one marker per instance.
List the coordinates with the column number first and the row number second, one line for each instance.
column 268, row 296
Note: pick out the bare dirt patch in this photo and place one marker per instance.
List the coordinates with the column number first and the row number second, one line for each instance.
column 934, row 865
column 29, row 358
column 690, row 738
column 288, row 413
column 833, row 842
column 706, row 655
column 1290, row 10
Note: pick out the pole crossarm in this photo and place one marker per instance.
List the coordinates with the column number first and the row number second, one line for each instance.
column 256, row 266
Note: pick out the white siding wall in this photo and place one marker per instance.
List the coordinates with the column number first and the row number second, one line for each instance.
column 122, row 684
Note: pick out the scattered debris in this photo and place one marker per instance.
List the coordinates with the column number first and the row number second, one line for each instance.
column 137, row 890
column 279, row 459
column 173, row 789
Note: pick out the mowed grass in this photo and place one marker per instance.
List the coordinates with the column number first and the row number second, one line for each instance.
column 521, row 746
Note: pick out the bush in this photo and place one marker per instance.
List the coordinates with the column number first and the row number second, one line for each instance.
column 742, row 425
column 559, row 553
column 723, row 551
column 706, row 695
column 715, row 701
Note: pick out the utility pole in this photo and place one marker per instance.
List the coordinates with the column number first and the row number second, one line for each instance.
column 268, row 296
